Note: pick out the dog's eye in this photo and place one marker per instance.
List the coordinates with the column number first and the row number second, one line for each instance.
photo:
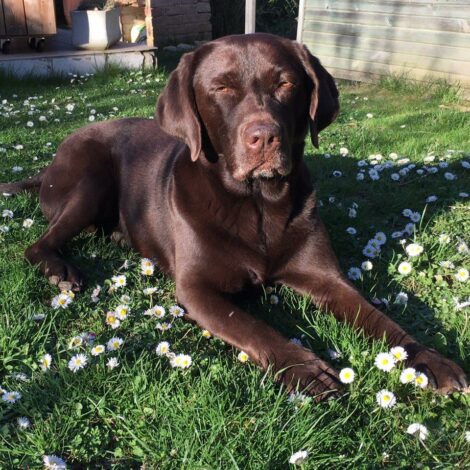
column 285, row 85
column 223, row 89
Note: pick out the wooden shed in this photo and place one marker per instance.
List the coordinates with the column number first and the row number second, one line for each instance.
column 366, row 39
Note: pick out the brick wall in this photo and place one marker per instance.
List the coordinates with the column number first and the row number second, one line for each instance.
column 174, row 21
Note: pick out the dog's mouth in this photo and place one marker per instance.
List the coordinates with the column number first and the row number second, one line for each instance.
column 264, row 170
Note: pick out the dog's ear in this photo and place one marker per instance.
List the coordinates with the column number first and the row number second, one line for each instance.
column 176, row 107
column 324, row 103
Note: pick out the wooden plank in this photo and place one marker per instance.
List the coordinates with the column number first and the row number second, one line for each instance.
column 456, row 25
column 300, row 20
column 404, row 47
column 2, row 21
column 383, row 69
column 14, row 17
column 384, row 33
column 149, row 23
column 453, row 67
column 428, row 8
column 250, row 16
column 40, row 17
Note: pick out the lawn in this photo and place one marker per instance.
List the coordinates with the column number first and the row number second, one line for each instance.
column 398, row 153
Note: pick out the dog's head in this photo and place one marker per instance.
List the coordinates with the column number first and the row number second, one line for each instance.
column 248, row 99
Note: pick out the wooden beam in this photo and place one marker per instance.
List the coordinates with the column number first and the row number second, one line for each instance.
column 250, row 16
column 149, row 23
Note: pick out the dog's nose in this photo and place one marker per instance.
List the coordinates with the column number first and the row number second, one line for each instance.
column 262, row 137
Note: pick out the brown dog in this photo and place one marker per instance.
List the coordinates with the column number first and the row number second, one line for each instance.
column 216, row 191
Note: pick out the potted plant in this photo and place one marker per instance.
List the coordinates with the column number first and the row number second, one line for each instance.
column 96, row 25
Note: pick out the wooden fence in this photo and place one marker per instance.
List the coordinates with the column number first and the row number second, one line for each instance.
column 367, row 39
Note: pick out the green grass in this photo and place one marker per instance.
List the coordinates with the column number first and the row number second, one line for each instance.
column 220, row 413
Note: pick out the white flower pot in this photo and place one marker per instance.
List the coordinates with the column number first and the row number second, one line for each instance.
column 95, row 29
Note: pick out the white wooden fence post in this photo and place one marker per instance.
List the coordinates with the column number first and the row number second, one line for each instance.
column 300, row 20
column 250, row 16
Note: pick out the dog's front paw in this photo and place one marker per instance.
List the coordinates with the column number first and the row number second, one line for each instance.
column 444, row 375
column 307, row 373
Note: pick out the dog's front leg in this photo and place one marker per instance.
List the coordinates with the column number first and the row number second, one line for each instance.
column 314, row 272
column 293, row 365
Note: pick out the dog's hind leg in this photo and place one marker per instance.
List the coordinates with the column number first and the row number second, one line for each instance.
column 86, row 202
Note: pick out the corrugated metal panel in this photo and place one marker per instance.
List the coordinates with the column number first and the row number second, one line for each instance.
column 366, row 39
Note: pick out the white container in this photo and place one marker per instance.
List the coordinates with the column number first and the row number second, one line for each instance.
column 95, row 30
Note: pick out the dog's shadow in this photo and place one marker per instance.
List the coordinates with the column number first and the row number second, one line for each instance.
column 379, row 205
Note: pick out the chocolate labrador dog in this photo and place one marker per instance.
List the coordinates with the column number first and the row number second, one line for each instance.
column 215, row 190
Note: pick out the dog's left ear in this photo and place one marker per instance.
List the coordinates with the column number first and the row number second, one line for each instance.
column 324, row 103
column 176, row 110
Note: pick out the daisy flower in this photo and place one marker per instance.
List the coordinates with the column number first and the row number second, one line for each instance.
column 273, row 299
column 114, row 343
column 53, row 462
column 62, row 300
column 414, row 250
column 351, row 231
column 112, row 363
column 410, row 228
column 401, row 298
column 182, row 361
column 163, row 348
column 343, row 151
column 122, row 311
column 45, row 362
column 444, row 238
column 354, row 274
column 467, row 436
column 243, row 356
column 298, row 399
column 418, row 429
column 446, row 264
column 461, row 275
column 119, row 281
column 28, row 223
column 399, row 354
column 77, row 362
column 206, row 334
column 407, row 212
column 112, row 320
column 421, row 380
column 7, row 214
column 23, row 422
column 386, row 399
column 367, row 265
column 408, row 375
column 462, row 248
column 299, row 457
column 405, row 268
column 163, row 326
column 381, row 238
column 159, row 311
column 150, row 290
column 75, row 342
column 147, row 268
column 176, row 311
column 370, row 251
column 384, row 361
column 97, row 350
column 415, row 217
column 347, row 375
column 11, row 397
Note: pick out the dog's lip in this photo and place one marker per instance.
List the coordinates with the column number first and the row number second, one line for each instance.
column 258, row 172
